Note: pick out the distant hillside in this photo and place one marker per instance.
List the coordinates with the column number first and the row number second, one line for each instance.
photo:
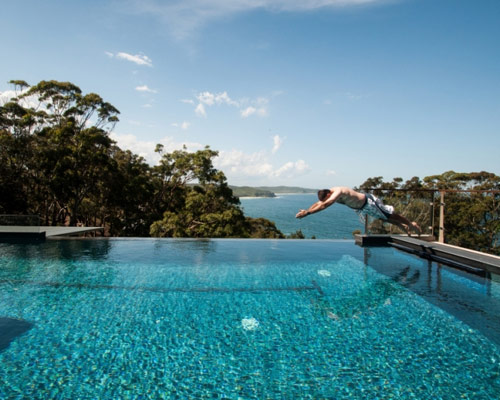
column 247, row 191
column 287, row 189
column 267, row 191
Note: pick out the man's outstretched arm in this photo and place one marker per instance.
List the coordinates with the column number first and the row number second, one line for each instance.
column 320, row 205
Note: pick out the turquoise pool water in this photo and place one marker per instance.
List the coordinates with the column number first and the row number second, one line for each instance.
column 249, row 319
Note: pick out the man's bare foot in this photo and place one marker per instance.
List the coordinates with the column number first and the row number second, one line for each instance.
column 416, row 228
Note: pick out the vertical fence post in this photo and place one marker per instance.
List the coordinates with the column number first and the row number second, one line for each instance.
column 441, row 219
column 431, row 214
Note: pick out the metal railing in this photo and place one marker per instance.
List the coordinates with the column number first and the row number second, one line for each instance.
column 420, row 209
column 19, row 223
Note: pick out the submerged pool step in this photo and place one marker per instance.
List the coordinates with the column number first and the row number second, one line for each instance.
column 314, row 287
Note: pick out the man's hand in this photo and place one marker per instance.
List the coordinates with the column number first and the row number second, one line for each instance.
column 302, row 214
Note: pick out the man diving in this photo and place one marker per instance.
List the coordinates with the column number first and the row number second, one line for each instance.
column 363, row 204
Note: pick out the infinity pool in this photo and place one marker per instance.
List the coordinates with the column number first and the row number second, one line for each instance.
column 242, row 319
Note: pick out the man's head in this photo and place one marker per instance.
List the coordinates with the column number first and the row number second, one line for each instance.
column 323, row 194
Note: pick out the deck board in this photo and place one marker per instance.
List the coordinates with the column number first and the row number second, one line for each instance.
column 439, row 252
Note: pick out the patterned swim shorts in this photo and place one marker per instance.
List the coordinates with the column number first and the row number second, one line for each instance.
column 374, row 207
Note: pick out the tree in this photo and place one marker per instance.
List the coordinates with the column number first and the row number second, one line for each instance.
column 472, row 207
column 198, row 201
column 60, row 147
column 472, row 219
column 12, row 175
column 408, row 198
column 126, row 203
column 58, row 161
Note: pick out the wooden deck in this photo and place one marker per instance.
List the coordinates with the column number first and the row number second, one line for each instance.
column 439, row 252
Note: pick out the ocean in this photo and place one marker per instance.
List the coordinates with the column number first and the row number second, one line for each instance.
column 335, row 222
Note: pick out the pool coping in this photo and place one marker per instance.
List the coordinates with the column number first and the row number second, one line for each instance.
column 42, row 232
column 426, row 247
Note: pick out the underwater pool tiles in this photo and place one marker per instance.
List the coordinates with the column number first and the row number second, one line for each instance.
column 363, row 335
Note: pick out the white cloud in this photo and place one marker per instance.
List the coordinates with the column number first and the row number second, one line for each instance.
column 27, row 102
column 277, row 142
column 185, row 17
column 235, row 162
column 292, row 169
column 207, row 99
column 331, row 172
column 142, row 148
column 238, row 165
column 6, row 96
column 183, row 125
column 223, row 98
column 247, row 112
column 139, row 59
column 146, row 148
column 200, row 110
column 210, row 99
column 145, row 88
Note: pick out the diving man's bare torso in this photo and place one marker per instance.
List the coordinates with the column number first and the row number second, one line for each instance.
column 349, row 197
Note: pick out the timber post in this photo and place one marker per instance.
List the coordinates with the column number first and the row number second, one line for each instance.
column 431, row 215
column 441, row 218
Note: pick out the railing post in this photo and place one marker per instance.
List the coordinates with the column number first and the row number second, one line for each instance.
column 431, row 214
column 441, row 219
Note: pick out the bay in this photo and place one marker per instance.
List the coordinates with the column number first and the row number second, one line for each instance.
column 335, row 222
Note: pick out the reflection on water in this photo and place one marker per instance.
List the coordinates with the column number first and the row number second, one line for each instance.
column 66, row 249
column 246, row 319
column 466, row 296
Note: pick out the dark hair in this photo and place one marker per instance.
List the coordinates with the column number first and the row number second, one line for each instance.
column 323, row 194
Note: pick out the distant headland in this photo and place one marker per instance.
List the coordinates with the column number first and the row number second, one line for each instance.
column 268, row 191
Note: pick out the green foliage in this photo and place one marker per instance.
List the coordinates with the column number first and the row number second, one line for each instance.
column 472, row 208
column 267, row 191
column 263, row 228
column 12, row 199
column 57, row 149
column 205, row 212
column 58, row 161
column 286, row 189
column 206, row 209
column 247, row 191
column 297, row 235
column 408, row 198
column 472, row 219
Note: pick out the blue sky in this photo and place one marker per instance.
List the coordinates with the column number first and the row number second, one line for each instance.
column 313, row 93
